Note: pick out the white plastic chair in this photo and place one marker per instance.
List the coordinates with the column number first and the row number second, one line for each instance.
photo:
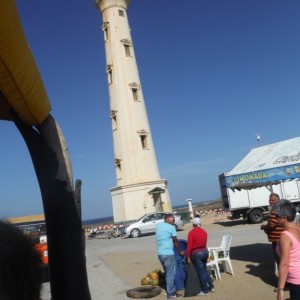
column 224, row 250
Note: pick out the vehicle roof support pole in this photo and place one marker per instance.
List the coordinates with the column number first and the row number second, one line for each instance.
column 67, row 262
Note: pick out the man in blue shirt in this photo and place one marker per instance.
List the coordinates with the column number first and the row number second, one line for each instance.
column 166, row 239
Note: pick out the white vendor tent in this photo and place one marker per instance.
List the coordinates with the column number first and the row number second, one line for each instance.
column 266, row 165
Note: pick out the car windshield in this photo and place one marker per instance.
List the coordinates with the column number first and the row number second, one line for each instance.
column 146, row 218
column 149, row 218
column 160, row 216
column 139, row 219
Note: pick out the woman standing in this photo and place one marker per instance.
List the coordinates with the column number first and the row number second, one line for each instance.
column 289, row 250
column 197, row 253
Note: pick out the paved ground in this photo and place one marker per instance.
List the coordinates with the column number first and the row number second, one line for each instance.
column 117, row 265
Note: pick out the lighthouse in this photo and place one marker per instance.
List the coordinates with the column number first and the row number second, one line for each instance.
column 139, row 188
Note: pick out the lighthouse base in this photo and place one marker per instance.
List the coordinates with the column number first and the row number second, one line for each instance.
column 132, row 201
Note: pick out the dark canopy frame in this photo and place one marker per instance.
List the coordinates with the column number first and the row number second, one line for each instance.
column 67, row 262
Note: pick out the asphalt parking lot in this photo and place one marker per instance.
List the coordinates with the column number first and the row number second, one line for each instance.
column 106, row 284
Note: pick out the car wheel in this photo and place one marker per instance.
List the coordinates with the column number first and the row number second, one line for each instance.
column 135, row 233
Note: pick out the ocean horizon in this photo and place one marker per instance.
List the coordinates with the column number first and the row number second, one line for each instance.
column 110, row 219
column 98, row 220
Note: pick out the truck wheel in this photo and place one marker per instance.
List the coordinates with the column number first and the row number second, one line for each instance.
column 256, row 216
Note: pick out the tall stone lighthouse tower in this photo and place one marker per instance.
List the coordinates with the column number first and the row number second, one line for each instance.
column 139, row 188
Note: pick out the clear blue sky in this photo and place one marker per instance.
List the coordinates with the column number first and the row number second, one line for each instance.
column 213, row 72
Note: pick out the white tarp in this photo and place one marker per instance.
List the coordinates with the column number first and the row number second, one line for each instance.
column 267, row 165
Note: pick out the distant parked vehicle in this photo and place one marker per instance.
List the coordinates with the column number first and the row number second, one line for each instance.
column 147, row 224
column 103, row 234
column 39, row 229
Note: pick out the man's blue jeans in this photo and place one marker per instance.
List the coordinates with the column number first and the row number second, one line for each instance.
column 199, row 260
column 169, row 264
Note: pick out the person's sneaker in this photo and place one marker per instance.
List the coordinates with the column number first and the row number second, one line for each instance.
column 212, row 290
column 176, row 295
column 203, row 294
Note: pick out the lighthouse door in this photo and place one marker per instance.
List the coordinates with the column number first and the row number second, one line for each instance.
column 157, row 202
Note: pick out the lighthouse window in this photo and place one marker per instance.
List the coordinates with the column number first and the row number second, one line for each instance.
column 121, row 13
column 127, row 50
column 110, row 80
column 135, row 94
column 135, row 87
column 109, row 74
column 105, row 30
column 105, row 34
column 114, row 122
column 144, row 141
column 113, row 116
column 127, row 46
column 143, row 134
column 118, row 167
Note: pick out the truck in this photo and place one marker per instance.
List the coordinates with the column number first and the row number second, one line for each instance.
column 274, row 168
column 253, row 204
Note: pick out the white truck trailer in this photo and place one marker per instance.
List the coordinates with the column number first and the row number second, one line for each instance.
column 273, row 168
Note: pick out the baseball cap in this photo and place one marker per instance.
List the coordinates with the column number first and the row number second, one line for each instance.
column 197, row 221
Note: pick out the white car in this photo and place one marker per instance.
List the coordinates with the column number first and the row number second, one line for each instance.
column 147, row 224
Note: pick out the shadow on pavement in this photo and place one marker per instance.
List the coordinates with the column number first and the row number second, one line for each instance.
column 260, row 258
column 234, row 223
column 231, row 223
